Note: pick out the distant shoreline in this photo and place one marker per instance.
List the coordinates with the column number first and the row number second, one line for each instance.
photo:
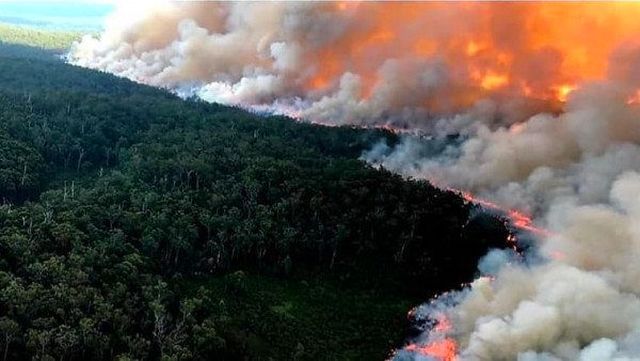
column 55, row 15
column 45, row 38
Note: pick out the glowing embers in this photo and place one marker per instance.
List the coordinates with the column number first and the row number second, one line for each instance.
column 518, row 219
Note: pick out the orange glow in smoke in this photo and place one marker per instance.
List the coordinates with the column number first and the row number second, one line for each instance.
column 563, row 91
column 425, row 47
column 473, row 48
column 558, row 255
column 634, row 98
column 443, row 324
column 319, row 82
column 529, row 49
column 493, row 81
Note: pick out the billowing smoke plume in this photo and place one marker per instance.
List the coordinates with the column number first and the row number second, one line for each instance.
column 533, row 106
column 582, row 305
column 577, row 172
column 401, row 64
column 571, row 157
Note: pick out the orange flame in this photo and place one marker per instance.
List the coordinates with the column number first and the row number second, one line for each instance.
column 563, row 91
column 515, row 48
column 493, row 81
column 518, row 219
column 442, row 348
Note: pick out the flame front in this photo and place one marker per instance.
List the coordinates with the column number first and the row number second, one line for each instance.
column 441, row 350
column 440, row 346
column 517, row 219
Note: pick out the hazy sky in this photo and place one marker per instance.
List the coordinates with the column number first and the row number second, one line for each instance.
column 56, row 14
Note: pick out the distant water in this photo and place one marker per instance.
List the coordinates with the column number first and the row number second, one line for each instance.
column 58, row 15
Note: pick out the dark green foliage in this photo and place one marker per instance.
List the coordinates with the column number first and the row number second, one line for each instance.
column 120, row 201
column 20, row 167
column 304, row 320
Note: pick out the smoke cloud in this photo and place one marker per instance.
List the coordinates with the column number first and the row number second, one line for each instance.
column 398, row 64
column 533, row 106
column 577, row 172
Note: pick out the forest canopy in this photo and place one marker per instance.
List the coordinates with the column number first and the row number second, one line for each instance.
column 45, row 39
column 136, row 225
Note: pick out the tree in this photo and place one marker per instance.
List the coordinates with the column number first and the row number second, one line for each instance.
column 8, row 329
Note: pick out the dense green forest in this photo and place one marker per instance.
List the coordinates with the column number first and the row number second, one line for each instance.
column 135, row 225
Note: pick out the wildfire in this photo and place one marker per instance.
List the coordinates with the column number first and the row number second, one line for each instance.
column 563, row 91
column 517, row 218
column 494, row 81
column 539, row 59
column 441, row 347
column 441, row 350
column 473, row 48
column 367, row 60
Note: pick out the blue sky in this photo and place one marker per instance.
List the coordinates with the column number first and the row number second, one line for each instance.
column 56, row 14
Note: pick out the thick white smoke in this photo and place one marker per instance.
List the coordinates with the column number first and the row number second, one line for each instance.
column 463, row 71
column 571, row 156
column 339, row 63
column 577, row 172
column 582, row 306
